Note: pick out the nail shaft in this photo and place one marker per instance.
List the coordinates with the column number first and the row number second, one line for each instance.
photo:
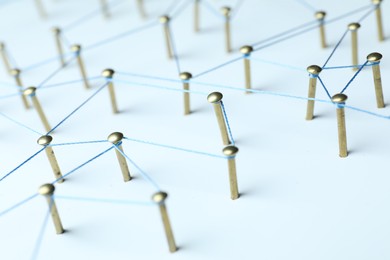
column 57, row 39
column 4, row 57
column 313, row 70
column 47, row 190
column 116, row 139
column 230, row 152
column 37, row 105
column 77, row 51
column 216, row 98
column 196, row 16
column 339, row 100
column 16, row 74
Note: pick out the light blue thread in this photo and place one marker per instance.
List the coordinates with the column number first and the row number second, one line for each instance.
column 88, row 16
column 38, row 243
column 218, row 67
column 47, row 61
column 276, row 64
column 367, row 112
column 324, row 87
column 160, row 87
column 121, row 35
column 347, row 67
column 335, row 48
column 227, row 122
column 12, row 59
column 146, row 76
column 7, row 84
column 80, row 106
column 65, row 40
column 18, row 205
column 75, row 143
column 81, row 165
column 212, row 10
column 23, row 163
column 358, row 10
column 172, row 6
column 354, row 76
column 180, row 9
column 11, row 95
column 18, row 123
column 175, row 55
column 261, row 92
column 111, row 201
column 144, row 174
column 367, row 14
column 174, row 147
column 55, row 72
column 306, row 5
column 70, row 82
column 236, row 9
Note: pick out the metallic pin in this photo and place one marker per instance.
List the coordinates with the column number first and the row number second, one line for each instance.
column 216, row 99
column 76, row 49
column 31, row 92
column 160, row 198
column 164, row 20
column 226, row 11
column 185, row 77
column 381, row 35
column 116, row 139
column 47, row 190
column 339, row 100
column 375, row 58
column 57, row 39
column 196, row 15
column 41, row 9
column 45, row 141
column 141, row 8
column 108, row 74
column 320, row 16
column 314, row 71
column 4, row 57
column 104, row 6
column 247, row 50
column 16, row 74
column 353, row 27
column 230, row 152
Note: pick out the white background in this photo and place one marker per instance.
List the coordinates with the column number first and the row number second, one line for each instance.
column 299, row 200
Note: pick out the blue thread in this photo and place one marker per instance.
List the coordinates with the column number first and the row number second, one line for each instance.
column 174, row 147
column 347, row 67
column 212, row 9
column 160, row 87
column 20, row 124
column 55, row 72
column 180, row 9
column 306, row 5
column 23, row 163
column 41, row 232
column 75, row 143
column 367, row 112
column 11, row 95
column 354, row 76
column 122, row 35
column 111, row 201
column 218, row 67
column 18, row 205
column 276, row 64
column 171, row 7
column 175, row 56
column 323, row 85
column 335, row 48
column 81, row 165
column 144, row 174
column 6, row 84
column 80, row 106
column 367, row 14
column 11, row 57
column 227, row 123
column 236, row 9
column 69, row 82
column 146, row 76
column 47, row 61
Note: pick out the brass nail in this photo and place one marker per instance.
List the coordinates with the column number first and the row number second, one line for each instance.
column 378, row 12
column 47, row 190
column 141, row 8
column 185, row 77
column 41, row 9
column 45, row 141
column 320, row 16
column 314, row 71
column 196, row 16
column 57, row 39
column 339, row 100
column 16, row 74
column 215, row 98
column 104, row 6
column 108, row 74
column 230, row 152
column 247, row 50
column 374, row 58
column 5, row 57
column 353, row 27
column 76, row 49
column 160, row 198
column 164, row 20
column 116, row 139
column 226, row 11
column 31, row 92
